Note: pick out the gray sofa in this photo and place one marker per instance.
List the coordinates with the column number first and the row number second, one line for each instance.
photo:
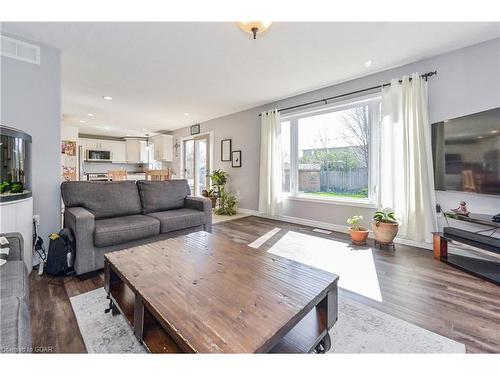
column 15, row 327
column 110, row 216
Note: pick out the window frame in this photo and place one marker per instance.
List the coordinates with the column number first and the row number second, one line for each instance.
column 374, row 152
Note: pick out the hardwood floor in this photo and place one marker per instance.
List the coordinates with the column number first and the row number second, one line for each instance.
column 414, row 287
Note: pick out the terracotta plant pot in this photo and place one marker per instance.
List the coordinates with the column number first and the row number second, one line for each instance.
column 358, row 237
column 385, row 232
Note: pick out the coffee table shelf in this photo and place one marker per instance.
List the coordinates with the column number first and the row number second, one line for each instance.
column 155, row 338
column 304, row 337
column 124, row 300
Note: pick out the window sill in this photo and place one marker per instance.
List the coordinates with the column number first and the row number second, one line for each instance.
column 335, row 201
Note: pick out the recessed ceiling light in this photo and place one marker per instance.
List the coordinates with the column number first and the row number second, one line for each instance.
column 107, row 98
column 480, row 137
column 90, row 114
column 186, row 113
column 368, row 63
column 494, row 131
column 82, row 121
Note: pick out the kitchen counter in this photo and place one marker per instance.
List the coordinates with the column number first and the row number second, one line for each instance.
column 135, row 176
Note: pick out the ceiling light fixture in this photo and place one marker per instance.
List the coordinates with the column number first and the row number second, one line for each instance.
column 186, row 114
column 90, row 114
column 107, row 98
column 368, row 63
column 254, row 27
column 82, row 121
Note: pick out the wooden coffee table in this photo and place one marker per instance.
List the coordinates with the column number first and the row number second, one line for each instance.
column 204, row 293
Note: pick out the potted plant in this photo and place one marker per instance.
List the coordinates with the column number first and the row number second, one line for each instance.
column 385, row 227
column 210, row 194
column 219, row 179
column 358, row 234
column 227, row 203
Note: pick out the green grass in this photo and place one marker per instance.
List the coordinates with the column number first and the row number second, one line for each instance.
column 331, row 194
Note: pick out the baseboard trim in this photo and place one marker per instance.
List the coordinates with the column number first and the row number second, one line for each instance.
column 329, row 226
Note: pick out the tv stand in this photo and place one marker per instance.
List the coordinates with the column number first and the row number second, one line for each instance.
column 484, row 269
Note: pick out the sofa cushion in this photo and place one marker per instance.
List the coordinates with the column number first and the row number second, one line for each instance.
column 14, row 280
column 179, row 219
column 103, row 199
column 15, row 335
column 123, row 229
column 162, row 195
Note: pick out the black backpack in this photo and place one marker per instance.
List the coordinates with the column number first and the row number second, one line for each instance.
column 60, row 256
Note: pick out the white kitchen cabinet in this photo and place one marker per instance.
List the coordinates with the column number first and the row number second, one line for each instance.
column 163, row 147
column 118, row 151
column 143, row 152
column 136, row 151
column 95, row 144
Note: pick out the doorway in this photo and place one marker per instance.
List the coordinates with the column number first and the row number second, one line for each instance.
column 196, row 163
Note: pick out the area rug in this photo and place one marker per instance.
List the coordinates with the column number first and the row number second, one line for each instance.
column 103, row 333
column 360, row 329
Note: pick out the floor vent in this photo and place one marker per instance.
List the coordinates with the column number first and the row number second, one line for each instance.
column 322, row 231
column 19, row 50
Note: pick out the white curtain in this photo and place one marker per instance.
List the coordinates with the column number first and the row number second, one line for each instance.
column 407, row 181
column 270, row 163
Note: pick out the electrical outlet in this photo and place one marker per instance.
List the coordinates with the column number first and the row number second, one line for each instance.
column 37, row 219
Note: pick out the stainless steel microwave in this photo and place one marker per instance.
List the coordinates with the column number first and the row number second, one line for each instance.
column 98, row 155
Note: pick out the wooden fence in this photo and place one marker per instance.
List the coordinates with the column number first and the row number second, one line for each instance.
column 352, row 180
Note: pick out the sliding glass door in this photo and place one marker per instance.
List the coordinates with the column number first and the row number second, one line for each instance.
column 196, row 161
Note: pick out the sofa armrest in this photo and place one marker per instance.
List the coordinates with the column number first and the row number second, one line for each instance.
column 82, row 223
column 201, row 204
column 16, row 245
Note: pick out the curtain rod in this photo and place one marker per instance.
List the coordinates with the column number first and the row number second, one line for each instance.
column 325, row 100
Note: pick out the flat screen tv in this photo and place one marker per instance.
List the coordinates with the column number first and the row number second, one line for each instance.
column 466, row 153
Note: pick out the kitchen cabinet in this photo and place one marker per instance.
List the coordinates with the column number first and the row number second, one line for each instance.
column 95, row 144
column 118, row 151
column 163, row 147
column 144, row 152
column 117, row 148
column 136, row 151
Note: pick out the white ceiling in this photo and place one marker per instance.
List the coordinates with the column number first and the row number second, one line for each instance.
column 156, row 72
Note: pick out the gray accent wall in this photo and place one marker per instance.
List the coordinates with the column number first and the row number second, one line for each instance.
column 468, row 82
column 31, row 101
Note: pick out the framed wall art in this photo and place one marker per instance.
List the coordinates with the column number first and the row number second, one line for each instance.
column 225, row 150
column 195, row 129
column 236, row 159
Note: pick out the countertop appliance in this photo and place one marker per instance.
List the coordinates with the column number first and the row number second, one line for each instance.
column 98, row 155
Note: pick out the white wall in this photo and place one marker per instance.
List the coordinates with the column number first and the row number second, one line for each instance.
column 31, row 101
column 468, row 81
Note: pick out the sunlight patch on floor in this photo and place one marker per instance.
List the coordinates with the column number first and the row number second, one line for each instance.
column 354, row 266
column 262, row 239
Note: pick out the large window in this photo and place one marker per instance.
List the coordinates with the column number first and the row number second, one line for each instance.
column 330, row 153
